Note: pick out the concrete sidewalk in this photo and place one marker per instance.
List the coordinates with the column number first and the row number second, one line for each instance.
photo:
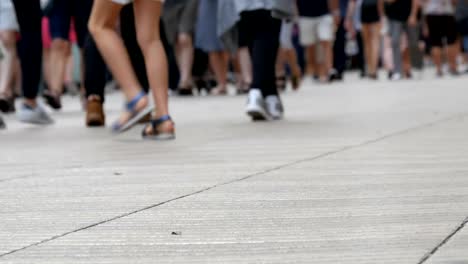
column 359, row 172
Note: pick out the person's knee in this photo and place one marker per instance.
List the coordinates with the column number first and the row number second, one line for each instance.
column 60, row 45
column 146, row 40
column 184, row 40
column 95, row 28
column 8, row 39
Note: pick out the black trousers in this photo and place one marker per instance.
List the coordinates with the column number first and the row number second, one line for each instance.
column 339, row 58
column 260, row 32
column 95, row 67
column 29, row 16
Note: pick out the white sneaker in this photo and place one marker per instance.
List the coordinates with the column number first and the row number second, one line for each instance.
column 256, row 107
column 37, row 115
column 396, row 77
column 274, row 107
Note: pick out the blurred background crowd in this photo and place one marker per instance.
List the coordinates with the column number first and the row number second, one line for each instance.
column 320, row 40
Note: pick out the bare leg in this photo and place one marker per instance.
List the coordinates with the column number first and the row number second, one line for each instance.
column 452, row 53
column 437, row 58
column 102, row 26
column 46, row 63
column 7, row 65
column 375, row 42
column 219, row 65
column 184, row 50
column 327, row 63
column 311, row 60
column 147, row 13
column 58, row 60
column 367, row 41
column 245, row 65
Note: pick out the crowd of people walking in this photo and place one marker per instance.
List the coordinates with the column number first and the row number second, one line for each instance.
column 152, row 47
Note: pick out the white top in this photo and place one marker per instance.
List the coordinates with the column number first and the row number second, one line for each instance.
column 439, row 7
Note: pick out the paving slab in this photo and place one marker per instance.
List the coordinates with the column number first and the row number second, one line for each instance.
column 359, row 172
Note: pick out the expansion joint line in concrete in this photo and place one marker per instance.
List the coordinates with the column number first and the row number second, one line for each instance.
column 444, row 241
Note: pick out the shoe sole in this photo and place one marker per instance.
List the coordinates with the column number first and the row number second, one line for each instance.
column 36, row 122
column 257, row 115
column 132, row 122
column 95, row 123
column 160, row 137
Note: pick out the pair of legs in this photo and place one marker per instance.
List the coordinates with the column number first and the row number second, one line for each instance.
column 321, row 61
column 60, row 20
column 261, row 32
column 371, row 39
column 179, row 21
column 317, row 35
column 102, row 26
column 442, row 30
column 397, row 29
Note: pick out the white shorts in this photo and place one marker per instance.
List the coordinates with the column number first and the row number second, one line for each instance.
column 286, row 35
column 8, row 20
column 124, row 2
column 315, row 29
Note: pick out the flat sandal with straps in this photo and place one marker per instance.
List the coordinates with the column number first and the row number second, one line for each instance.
column 158, row 135
column 135, row 115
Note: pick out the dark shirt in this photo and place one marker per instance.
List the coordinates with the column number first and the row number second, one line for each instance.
column 343, row 7
column 312, row 8
column 399, row 10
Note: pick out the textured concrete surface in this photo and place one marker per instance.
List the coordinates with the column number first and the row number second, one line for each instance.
column 359, row 172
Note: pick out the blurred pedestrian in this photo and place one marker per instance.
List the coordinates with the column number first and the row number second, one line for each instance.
column 440, row 19
column 371, row 14
column 29, row 16
column 207, row 40
column 63, row 14
column 258, row 23
column 462, row 21
column 317, row 23
column 402, row 16
column 180, row 17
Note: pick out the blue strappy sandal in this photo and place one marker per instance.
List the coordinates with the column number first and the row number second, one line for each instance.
column 135, row 116
column 155, row 134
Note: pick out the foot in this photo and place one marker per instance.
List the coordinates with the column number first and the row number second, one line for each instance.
column 34, row 115
column 185, row 90
column 396, row 77
column 220, row 90
column 256, row 107
column 2, row 123
column 296, row 82
column 4, row 104
column 52, row 99
column 274, row 107
column 243, row 88
column 162, row 128
column 135, row 110
column 94, row 112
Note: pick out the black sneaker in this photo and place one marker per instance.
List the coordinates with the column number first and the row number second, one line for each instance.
column 186, row 91
column 52, row 100
column 4, row 105
column 2, row 123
